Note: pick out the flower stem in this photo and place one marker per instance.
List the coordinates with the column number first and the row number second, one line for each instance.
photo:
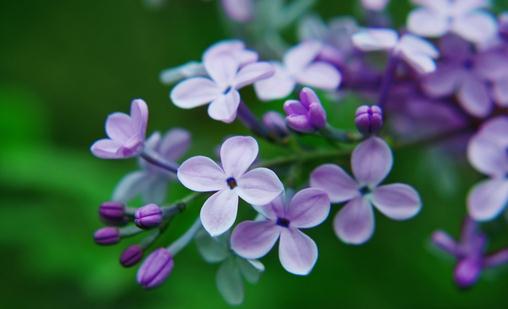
column 184, row 240
column 252, row 123
column 386, row 84
column 154, row 159
column 334, row 134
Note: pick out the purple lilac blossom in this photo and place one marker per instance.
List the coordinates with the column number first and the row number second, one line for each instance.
column 371, row 162
column 151, row 182
column 239, row 10
column 306, row 115
column 126, row 133
column 488, row 153
column 299, row 66
column 466, row 18
column 297, row 251
column 417, row 52
column 369, row 119
column 230, row 181
column 155, row 269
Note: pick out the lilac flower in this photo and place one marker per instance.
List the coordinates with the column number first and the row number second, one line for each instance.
column 465, row 18
column 297, row 251
column 257, row 187
column 239, row 10
column 126, row 134
column 226, row 77
column 371, row 162
column 369, row 119
column 232, row 48
column 375, row 5
column 488, row 153
column 476, row 79
column 151, row 182
column 306, row 115
column 417, row 52
column 299, row 67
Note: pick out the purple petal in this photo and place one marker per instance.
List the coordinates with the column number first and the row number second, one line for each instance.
column 497, row 259
column 488, row 199
column 237, row 155
column 476, row 27
column 239, row 10
column 174, row 144
column 371, row 161
column 354, row 223
column 107, row 149
column 332, row 179
column 375, row 39
column 222, row 69
column 274, row 209
column 298, row 57
column 308, row 208
column 495, row 129
column 320, row 75
column 259, row 186
column 297, row 252
column 139, row 116
column 292, row 107
column 252, row 73
column 445, row 242
column 232, row 48
column 443, row 81
column 426, row 22
column 194, row 92
column 500, row 92
column 278, row 86
column 474, row 97
column 397, row 201
column 254, row 239
column 467, row 272
column 487, row 149
column 491, row 65
column 224, row 107
column 218, row 214
column 202, row 174
column 120, row 127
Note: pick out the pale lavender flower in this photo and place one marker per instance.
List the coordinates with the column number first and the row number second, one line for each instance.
column 466, row 18
column 227, row 74
column 488, row 153
column 417, row 52
column 300, row 66
column 297, row 252
column 371, row 162
column 126, row 133
column 375, row 5
column 258, row 186
column 151, row 182
column 232, row 48
column 306, row 115
column 239, row 10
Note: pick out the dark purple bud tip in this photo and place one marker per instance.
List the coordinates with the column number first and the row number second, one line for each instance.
column 369, row 119
column 113, row 212
column 148, row 216
column 131, row 256
column 155, row 269
column 467, row 272
column 275, row 124
column 107, row 236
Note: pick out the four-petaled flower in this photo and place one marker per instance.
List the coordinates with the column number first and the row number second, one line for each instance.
column 283, row 221
column 371, row 162
column 126, row 134
column 258, row 186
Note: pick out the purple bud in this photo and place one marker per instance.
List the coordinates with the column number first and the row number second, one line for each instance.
column 112, row 212
column 275, row 124
column 369, row 119
column 107, row 235
column 155, row 269
column 467, row 272
column 148, row 216
column 306, row 115
column 131, row 256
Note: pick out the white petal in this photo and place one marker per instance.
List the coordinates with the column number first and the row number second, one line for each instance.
column 201, row 174
column 354, row 223
column 279, row 86
column 194, row 92
column 427, row 23
column 259, row 186
column 237, row 155
column 397, row 201
column 218, row 214
column 224, row 107
column 320, row 75
column 487, row 199
column 375, row 39
column 371, row 161
column 477, row 27
column 297, row 252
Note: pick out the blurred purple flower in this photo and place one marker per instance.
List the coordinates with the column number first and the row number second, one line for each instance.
column 232, row 48
column 297, row 252
column 239, row 10
column 126, row 134
column 371, row 162
column 465, row 18
column 155, row 269
column 488, row 153
column 417, row 52
column 275, row 124
column 131, row 255
column 300, row 66
column 258, row 186
column 375, row 5
column 306, row 115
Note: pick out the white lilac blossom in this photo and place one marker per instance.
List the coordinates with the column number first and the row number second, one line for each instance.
column 488, row 153
column 371, row 162
column 227, row 75
column 299, row 66
column 230, row 181
column 151, row 181
column 126, row 133
column 240, row 11
column 417, row 52
column 282, row 221
column 466, row 18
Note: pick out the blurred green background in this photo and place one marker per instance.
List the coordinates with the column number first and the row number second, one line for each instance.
column 64, row 65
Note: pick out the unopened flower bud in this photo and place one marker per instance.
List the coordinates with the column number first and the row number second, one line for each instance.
column 275, row 124
column 131, row 256
column 155, row 269
column 369, row 119
column 467, row 272
column 148, row 216
column 306, row 115
column 107, row 235
column 112, row 212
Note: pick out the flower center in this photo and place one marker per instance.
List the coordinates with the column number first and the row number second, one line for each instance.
column 282, row 222
column 231, row 183
column 364, row 190
column 227, row 90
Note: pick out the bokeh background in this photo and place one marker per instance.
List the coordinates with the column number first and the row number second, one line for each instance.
column 64, row 65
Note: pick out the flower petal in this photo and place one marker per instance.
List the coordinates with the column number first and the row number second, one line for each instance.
column 194, row 92
column 427, row 22
column 254, row 239
column 229, row 282
column 259, row 186
column 224, row 107
column 476, row 26
column 237, row 155
column 250, row 269
column 233, row 48
column 120, row 127
column 201, row 174
column 297, row 252
column 239, row 10
column 252, row 73
column 487, row 199
column 397, row 201
column 320, row 75
column 278, row 86
column 354, row 223
column 487, row 155
column 139, row 116
column 500, row 92
column 443, row 81
column 332, row 179
column 375, row 39
column 474, row 97
column 222, row 68
column 371, row 161
column 107, row 149
column 212, row 249
column 156, row 190
column 130, row 186
column 274, row 209
column 309, row 207
column 300, row 56
column 174, row 144
column 218, row 214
